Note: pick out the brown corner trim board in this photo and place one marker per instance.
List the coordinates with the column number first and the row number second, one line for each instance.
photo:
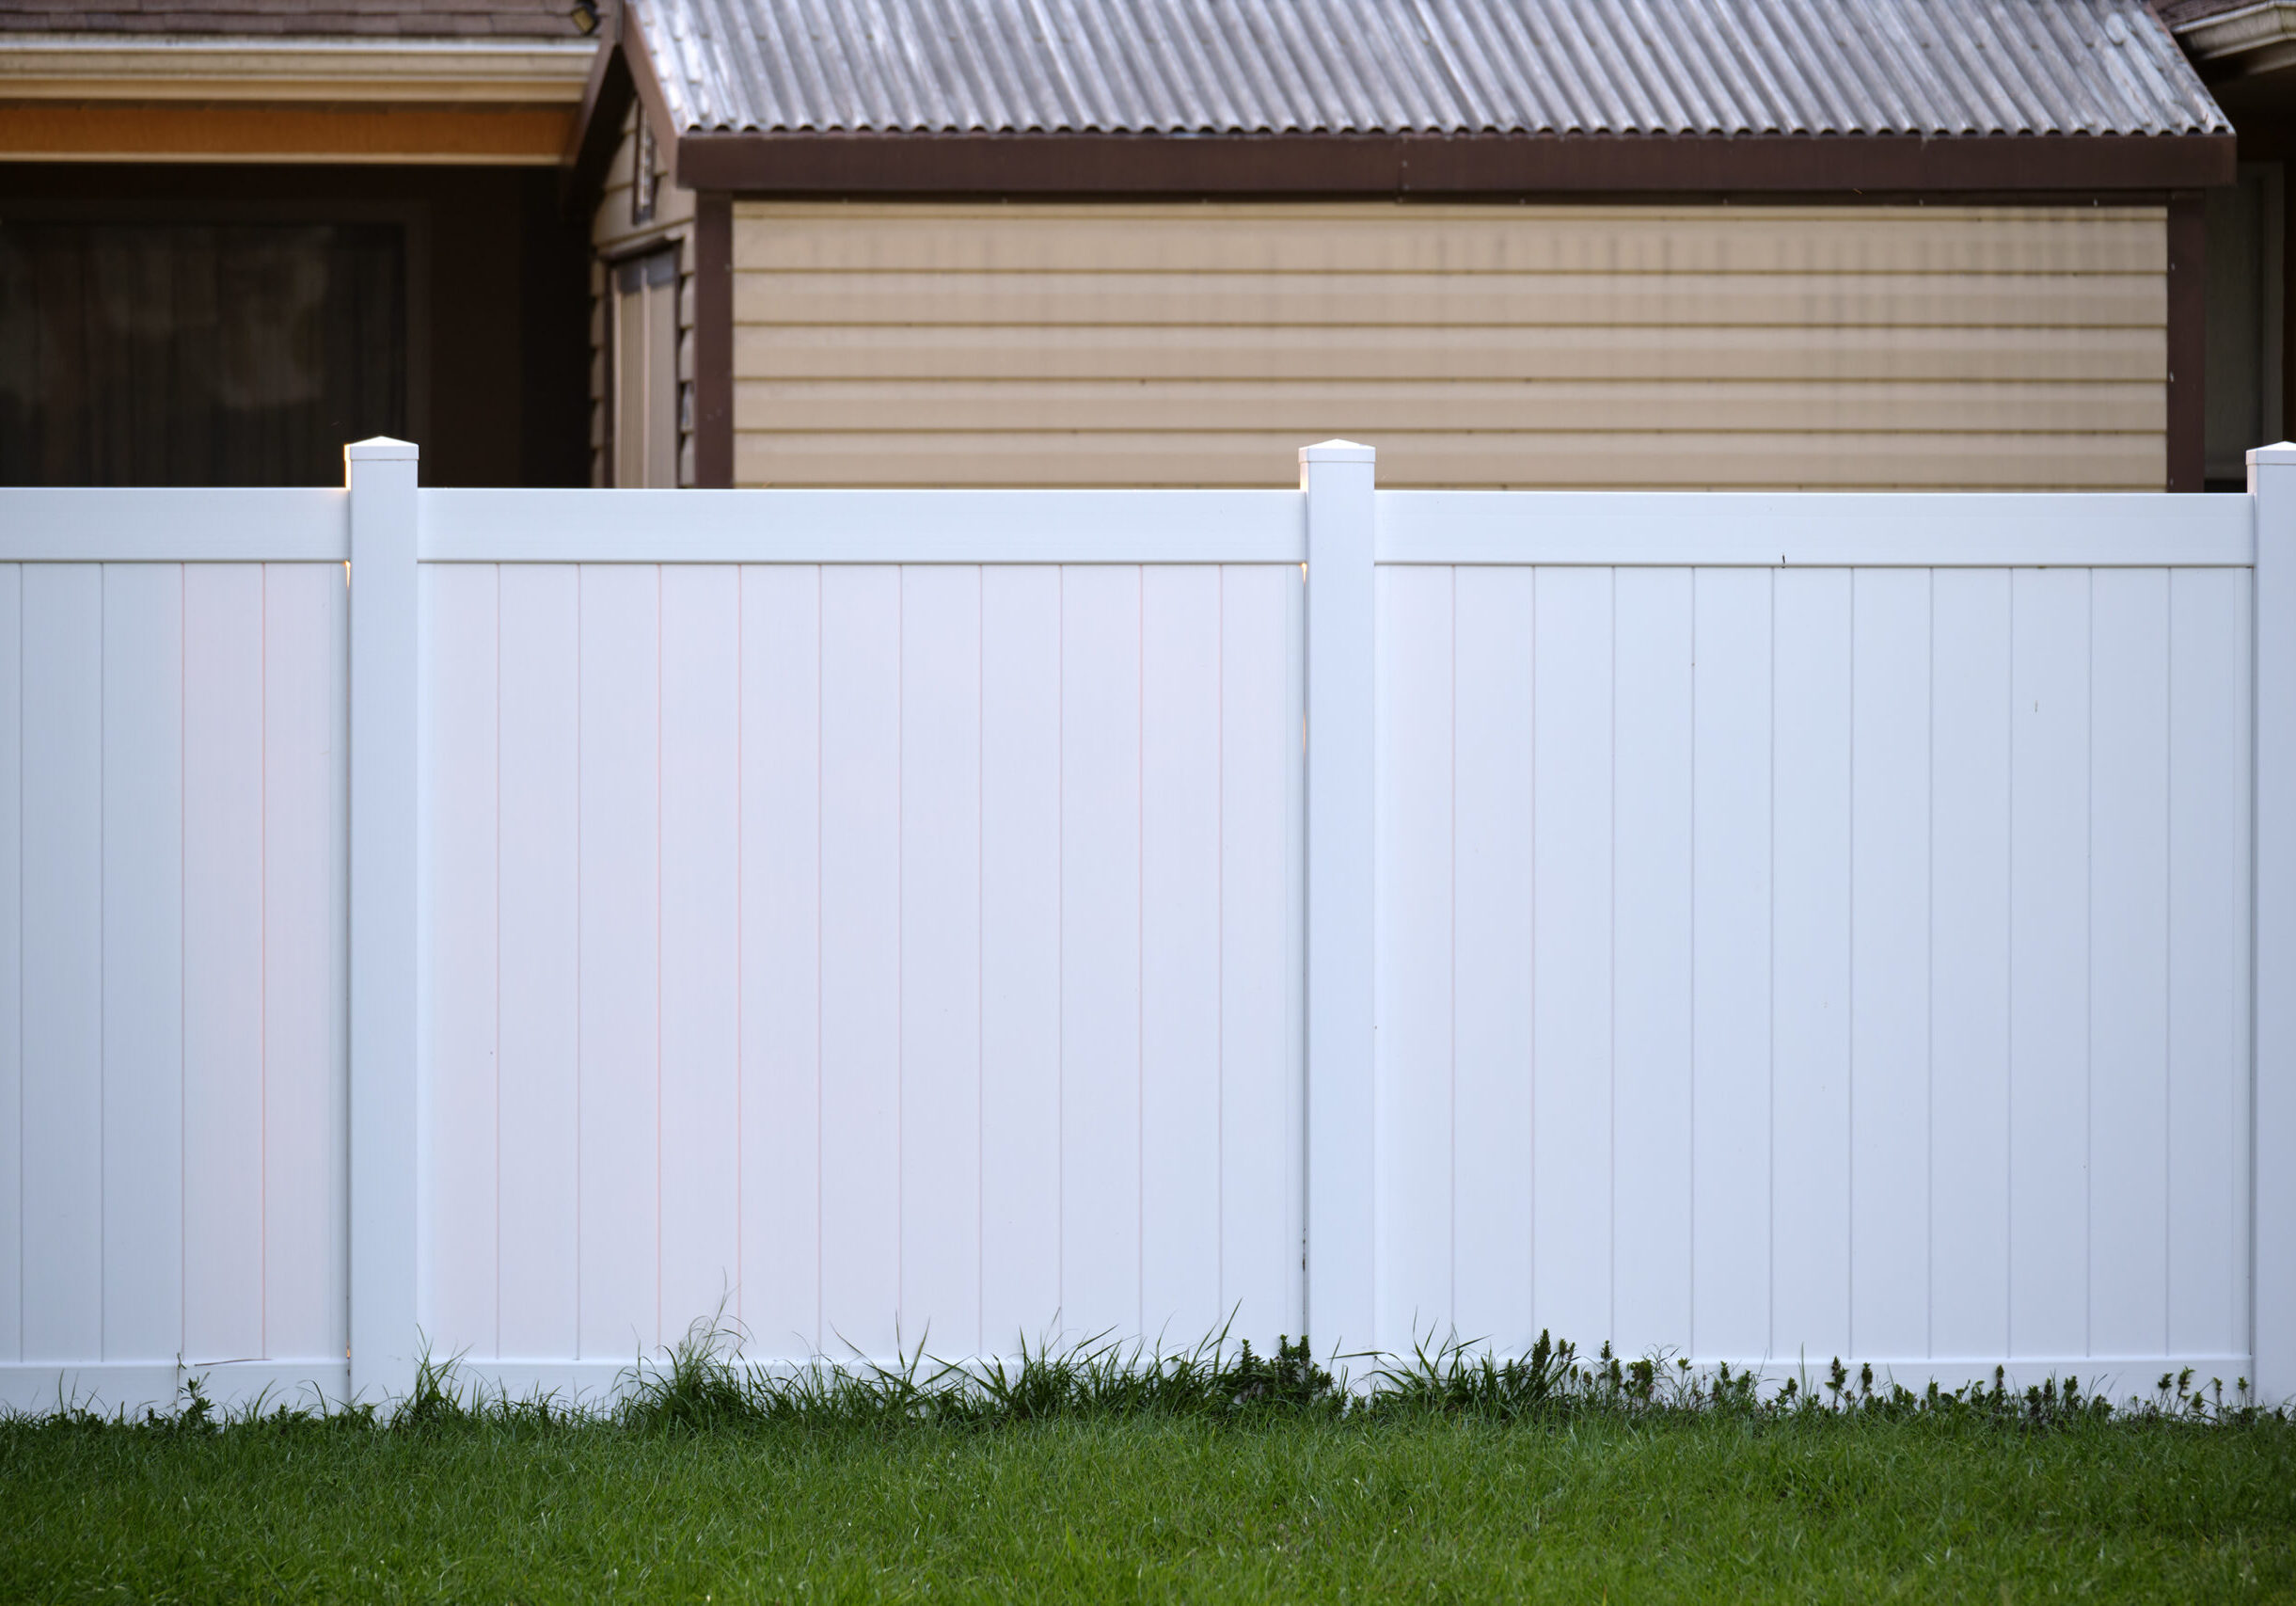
column 713, row 341
column 1430, row 165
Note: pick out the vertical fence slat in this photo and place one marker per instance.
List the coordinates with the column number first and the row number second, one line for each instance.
column 1651, row 929
column 2209, row 635
column 12, row 960
column 1100, row 925
column 1809, row 844
column 779, row 1295
column 459, row 1235
column 2049, row 963
column 781, row 963
column 1571, row 998
column 1971, row 641
column 1261, row 1183
column 621, row 931
column 1021, row 860
column 1181, row 1066
column 1495, row 1156
column 860, row 936
column 940, row 931
column 1416, row 924
column 223, row 961
column 1889, row 1059
column 538, row 949
column 1731, row 998
column 701, row 945
column 143, row 962
column 306, row 1081
column 63, row 968
column 2128, row 888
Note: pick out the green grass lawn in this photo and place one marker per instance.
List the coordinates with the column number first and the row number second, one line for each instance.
column 1578, row 1501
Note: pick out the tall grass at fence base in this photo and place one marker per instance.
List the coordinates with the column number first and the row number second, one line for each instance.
column 702, row 1384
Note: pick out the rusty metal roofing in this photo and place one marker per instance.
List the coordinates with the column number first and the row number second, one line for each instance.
column 1180, row 67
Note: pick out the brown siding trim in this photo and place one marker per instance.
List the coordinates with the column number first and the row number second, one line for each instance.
column 1391, row 165
column 713, row 341
column 2188, row 340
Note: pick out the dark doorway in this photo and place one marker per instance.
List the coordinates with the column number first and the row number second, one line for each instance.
column 488, row 349
column 177, row 354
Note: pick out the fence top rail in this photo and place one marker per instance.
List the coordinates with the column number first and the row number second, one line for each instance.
column 864, row 527
column 1766, row 530
column 174, row 524
column 1824, row 529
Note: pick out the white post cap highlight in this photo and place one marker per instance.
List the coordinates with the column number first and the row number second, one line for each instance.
column 381, row 448
column 1345, row 451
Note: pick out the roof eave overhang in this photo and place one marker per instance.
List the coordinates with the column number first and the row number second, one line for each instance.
column 236, row 72
column 2243, row 41
column 1387, row 165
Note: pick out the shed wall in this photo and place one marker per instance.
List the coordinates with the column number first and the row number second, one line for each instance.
column 1691, row 346
column 616, row 233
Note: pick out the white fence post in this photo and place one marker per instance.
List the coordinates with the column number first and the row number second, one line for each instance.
column 2271, row 481
column 1337, row 478
column 383, row 750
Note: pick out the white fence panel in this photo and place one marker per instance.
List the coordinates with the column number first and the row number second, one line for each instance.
column 1782, row 963
column 1757, row 927
column 172, row 950
column 927, row 928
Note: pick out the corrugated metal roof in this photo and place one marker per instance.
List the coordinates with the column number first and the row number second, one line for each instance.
column 1687, row 67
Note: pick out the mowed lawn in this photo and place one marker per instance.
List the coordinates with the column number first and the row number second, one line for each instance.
column 1266, row 1506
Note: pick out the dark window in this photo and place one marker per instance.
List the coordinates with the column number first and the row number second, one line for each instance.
column 193, row 355
column 644, row 180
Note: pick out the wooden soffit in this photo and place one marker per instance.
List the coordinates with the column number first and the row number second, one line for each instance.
column 360, row 100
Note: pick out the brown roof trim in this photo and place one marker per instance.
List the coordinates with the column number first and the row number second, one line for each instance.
column 597, row 129
column 1430, row 165
column 621, row 74
column 631, row 40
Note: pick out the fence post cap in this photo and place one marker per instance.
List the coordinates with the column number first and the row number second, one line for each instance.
column 381, row 448
column 1345, row 451
column 2280, row 454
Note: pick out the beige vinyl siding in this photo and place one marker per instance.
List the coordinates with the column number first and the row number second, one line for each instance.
column 613, row 237
column 1497, row 346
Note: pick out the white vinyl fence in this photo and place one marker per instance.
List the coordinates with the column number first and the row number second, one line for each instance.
column 1762, row 928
